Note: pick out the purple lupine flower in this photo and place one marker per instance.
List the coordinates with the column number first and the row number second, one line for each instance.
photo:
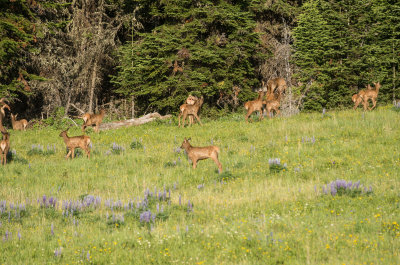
column 52, row 229
column 199, row 187
column 88, row 256
column 19, row 235
column 145, row 217
column 180, row 200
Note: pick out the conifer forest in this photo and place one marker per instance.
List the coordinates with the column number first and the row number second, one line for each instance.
column 140, row 56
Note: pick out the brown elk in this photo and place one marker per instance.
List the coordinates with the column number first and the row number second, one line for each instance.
column 4, row 146
column 3, row 113
column 18, row 125
column 200, row 153
column 357, row 99
column 189, row 101
column 92, row 120
column 81, row 142
column 191, row 110
column 255, row 105
column 273, row 105
column 371, row 94
column 276, row 83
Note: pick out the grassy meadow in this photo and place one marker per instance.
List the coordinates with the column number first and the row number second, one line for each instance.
column 138, row 201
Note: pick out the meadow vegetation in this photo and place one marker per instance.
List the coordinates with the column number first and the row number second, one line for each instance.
column 138, row 200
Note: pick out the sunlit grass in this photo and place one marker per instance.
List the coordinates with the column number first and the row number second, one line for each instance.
column 248, row 215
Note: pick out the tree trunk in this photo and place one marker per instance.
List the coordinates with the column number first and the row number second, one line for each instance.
column 97, row 55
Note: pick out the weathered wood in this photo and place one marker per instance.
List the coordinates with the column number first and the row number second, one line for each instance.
column 133, row 122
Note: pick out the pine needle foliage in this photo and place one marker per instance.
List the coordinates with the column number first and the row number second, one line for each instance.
column 199, row 47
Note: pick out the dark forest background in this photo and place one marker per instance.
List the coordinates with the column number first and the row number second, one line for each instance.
column 138, row 56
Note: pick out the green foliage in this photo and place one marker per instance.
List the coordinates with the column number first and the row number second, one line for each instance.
column 342, row 46
column 214, row 45
column 17, row 35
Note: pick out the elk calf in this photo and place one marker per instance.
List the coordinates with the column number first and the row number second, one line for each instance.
column 357, row 99
column 189, row 101
column 81, row 141
column 273, row 105
column 4, row 147
column 190, row 110
column 255, row 105
column 18, row 125
column 200, row 153
column 371, row 94
column 93, row 119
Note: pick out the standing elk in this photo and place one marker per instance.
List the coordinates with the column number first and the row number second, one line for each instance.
column 191, row 110
column 255, row 105
column 81, row 142
column 3, row 113
column 18, row 125
column 357, row 99
column 278, row 84
column 371, row 94
column 92, row 120
column 4, row 146
column 189, row 101
column 201, row 153
column 273, row 105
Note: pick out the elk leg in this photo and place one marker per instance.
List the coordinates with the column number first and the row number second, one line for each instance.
column 194, row 161
column 87, row 152
column 183, row 119
column 68, row 154
column 248, row 115
column 374, row 104
column 179, row 119
column 260, row 116
column 197, row 117
column 73, row 153
column 219, row 165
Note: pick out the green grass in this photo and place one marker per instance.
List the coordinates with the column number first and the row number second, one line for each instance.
column 247, row 215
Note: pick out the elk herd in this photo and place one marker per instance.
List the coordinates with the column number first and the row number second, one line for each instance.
column 267, row 103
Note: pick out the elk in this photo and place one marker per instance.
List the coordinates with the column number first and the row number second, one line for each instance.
column 191, row 110
column 276, row 83
column 255, row 105
column 82, row 142
column 189, row 101
column 273, row 105
column 92, row 119
column 4, row 146
column 357, row 99
column 371, row 94
column 18, row 125
column 3, row 113
column 201, row 153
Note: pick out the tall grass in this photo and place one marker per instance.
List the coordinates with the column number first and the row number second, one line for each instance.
column 250, row 214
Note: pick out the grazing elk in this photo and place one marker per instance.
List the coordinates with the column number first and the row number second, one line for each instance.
column 18, row 125
column 4, row 146
column 191, row 110
column 276, row 83
column 273, row 105
column 92, row 120
column 81, row 142
column 255, row 105
column 371, row 94
column 200, row 153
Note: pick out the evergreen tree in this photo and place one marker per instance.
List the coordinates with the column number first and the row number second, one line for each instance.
column 17, row 39
column 195, row 46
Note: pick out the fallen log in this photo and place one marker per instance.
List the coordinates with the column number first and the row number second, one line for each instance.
column 133, row 122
